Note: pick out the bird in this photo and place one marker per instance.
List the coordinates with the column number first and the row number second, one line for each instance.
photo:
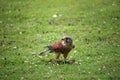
column 63, row 46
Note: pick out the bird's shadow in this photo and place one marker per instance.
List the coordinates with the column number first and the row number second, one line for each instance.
column 60, row 62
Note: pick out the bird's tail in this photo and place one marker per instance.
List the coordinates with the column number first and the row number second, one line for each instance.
column 46, row 51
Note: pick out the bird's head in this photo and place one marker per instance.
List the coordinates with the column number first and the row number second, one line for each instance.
column 67, row 40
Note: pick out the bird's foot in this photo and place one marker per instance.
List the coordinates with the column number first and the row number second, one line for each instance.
column 66, row 62
column 58, row 61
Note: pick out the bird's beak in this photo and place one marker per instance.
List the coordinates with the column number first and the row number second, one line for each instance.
column 62, row 39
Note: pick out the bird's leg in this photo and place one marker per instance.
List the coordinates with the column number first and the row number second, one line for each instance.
column 57, row 57
column 65, row 56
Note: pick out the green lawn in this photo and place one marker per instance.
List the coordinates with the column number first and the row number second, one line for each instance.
column 26, row 26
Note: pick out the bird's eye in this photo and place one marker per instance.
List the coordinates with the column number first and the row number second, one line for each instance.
column 69, row 40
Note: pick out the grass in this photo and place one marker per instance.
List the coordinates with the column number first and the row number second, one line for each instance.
column 26, row 26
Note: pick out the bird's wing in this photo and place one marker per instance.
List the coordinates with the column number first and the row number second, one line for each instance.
column 57, row 46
